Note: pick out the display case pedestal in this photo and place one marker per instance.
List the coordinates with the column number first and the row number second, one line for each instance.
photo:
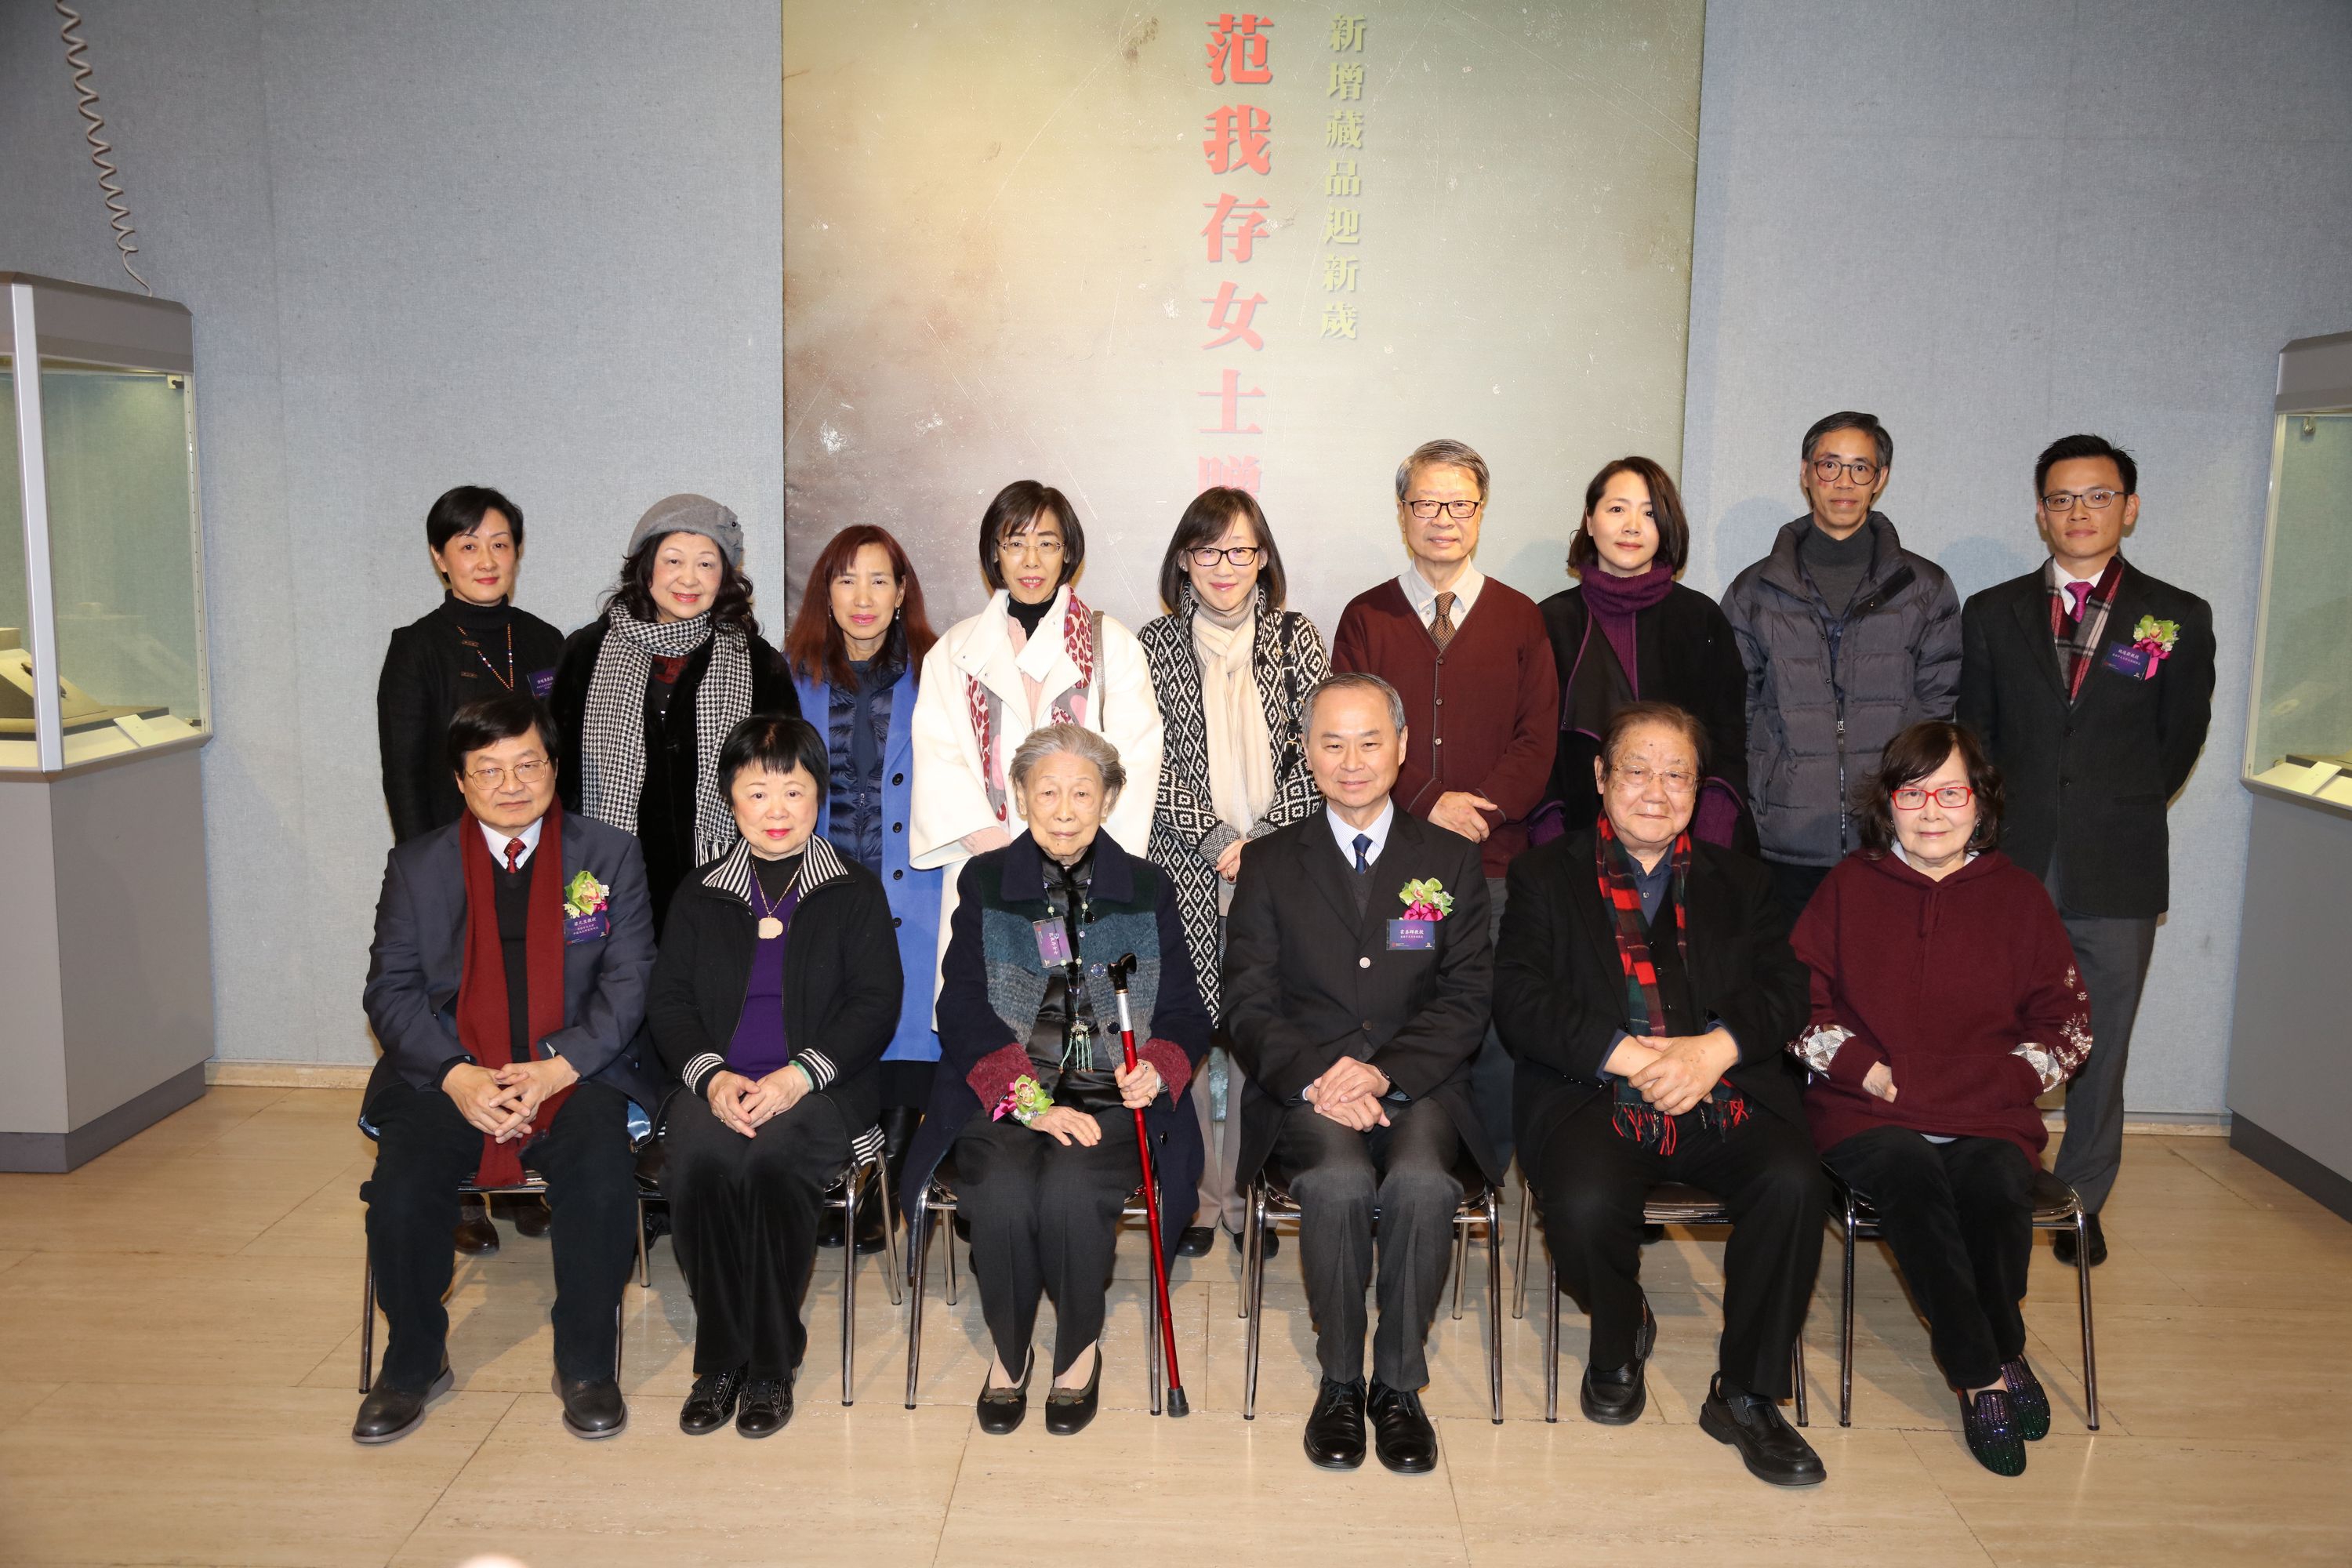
column 105, row 956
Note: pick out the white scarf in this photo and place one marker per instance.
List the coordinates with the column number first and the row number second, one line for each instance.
column 1241, row 753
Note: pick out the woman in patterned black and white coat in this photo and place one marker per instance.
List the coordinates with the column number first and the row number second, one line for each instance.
column 1231, row 668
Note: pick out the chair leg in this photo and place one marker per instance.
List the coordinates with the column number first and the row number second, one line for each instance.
column 1462, row 1223
column 1797, row 1372
column 644, row 1265
column 1495, row 1303
column 947, row 1242
column 1527, row 1224
column 918, row 1249
column 1845, row 1333
column 367, row 1324
column 1249, row 1253
column 619, row 1325
column 889, row 1235
column 1256, row 1294
column 852, row 1194
column 1551, row 1340
column 2082, row 1295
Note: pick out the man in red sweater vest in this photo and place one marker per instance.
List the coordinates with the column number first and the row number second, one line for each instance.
column 1473, row 662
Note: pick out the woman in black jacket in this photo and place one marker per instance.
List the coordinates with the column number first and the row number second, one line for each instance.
column 1628, row 632
column 775, row 993
column 648, row 691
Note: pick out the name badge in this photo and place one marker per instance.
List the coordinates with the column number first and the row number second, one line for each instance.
column 1053, row 942
column 1412, row 936
column 587, row 928
column 543, row 681
column 2125, row 659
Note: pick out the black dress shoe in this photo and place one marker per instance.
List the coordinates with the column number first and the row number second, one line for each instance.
column 532, row 1217
column 475, row 1236
column 2028, row 1401
column 594, row 1408
column 869, row 1225
column 1401, row 1434
column 1067, row 1410
column 1617, row 1397
column 1769, row 1447
column 1196, row 1241
column 388, row 1414
column 2062, row 1246
column 767, row 1407
column 712, row 1403
column 1272, row 1243
column 999, row 1410
column 829, row 1228
column 1990, row 1424
column 1335, row 1429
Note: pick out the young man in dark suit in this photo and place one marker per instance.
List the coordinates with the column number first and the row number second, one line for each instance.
column 2091, row 685
column 1645, row 984
column 507, row 980
column 1356, row 971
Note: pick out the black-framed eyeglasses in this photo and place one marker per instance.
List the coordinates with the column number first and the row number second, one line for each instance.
column 1459, row 511
column 1826, row 469
column 1239, row 554
column 2064, row 500
column 1951, row 797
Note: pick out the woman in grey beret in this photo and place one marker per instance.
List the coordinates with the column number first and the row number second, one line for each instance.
column 648, row 691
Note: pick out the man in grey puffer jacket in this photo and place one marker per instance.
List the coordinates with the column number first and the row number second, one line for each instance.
column 1848, row 638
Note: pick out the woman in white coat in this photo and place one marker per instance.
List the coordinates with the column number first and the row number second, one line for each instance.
column 1036, row 656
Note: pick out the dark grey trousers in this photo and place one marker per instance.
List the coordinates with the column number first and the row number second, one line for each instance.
column 2112, row 955
column 1491, row 1070
column 1339, row 1177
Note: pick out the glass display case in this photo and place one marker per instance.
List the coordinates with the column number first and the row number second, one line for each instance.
column 102, row 579
column 2299, row 726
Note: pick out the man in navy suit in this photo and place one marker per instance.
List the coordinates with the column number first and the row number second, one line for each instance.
column 505, row 984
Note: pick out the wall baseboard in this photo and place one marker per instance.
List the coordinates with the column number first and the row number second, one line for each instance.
column 51, row 1153
column 286, row 1075
column 2321, row 1183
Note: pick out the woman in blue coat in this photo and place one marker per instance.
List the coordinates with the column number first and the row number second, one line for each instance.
column 855, row 649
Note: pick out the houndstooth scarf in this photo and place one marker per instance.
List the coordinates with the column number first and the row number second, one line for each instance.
column 612, row 730
column 1081, row 634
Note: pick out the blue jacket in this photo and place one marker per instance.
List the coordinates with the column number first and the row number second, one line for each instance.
column 914, row 895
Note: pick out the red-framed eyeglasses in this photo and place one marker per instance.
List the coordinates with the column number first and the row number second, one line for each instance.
column 1951, row 797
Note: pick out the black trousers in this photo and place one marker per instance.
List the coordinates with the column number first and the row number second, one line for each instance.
column 1590, row 1186
column 743, row 1215
column 425, row 1148
column 1959, row 1217
column 1339, row 1177
column 1044, row 1222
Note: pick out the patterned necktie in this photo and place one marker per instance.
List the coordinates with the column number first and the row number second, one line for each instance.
column 1363, row 842
column 2080, row 593
column 514, row 857
column 1442, row 628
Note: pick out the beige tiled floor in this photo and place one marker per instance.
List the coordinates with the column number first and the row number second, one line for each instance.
column 179, row 1346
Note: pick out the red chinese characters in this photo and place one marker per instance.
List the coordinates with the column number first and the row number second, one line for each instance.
column 1239, row 143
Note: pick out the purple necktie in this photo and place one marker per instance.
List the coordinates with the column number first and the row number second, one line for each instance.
column 2081, row 594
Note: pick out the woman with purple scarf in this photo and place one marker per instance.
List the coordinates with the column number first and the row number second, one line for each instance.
column 1629, row 633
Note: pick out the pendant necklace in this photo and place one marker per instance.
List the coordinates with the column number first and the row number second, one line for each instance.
column 771, row 928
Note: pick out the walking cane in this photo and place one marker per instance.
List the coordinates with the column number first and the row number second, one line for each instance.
column 1177, row 1403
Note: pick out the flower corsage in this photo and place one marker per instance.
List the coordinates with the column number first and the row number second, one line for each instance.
column 1427, row 899
column 584, row 895
column 2155, row 639
column 1024, row 1102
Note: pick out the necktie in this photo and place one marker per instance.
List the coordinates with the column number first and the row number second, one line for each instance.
column 514, row 857
column 2081, row 594
column 1442, row 628
column 1363, row 842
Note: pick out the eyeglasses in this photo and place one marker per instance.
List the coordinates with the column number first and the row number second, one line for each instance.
column 2064, row 500
column 1951, row 797
column 1043, row 544
column 1636, row 776
column 526, row 773
column 1239, row 554
column 1459, row 511
column 1826, row 469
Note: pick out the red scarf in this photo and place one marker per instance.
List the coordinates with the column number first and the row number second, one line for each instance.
column 482, row 1026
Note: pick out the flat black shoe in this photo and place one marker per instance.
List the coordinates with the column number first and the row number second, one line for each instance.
column 1989, row 1425
column 2028, row 1401
column 712, row 1403
column 829, row 1229
column 1272, row 1243
column 869, row 1225
column 532, row 1217
column 2062, row 1246
column 389, row 1414
column 474, row 1236
column 1618, row 1397
column 1768, row 1444
column 594, row 1408
column 1067, row 1410
column 767, row 1407
column 999, row 1410
column 1335, row 1429
column 1196, row 1241
column 1401, row 1434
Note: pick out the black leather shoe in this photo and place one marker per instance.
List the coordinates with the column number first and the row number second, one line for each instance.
column 532, row 1217
column 2062, row 1246
column 1616, row 1397
column 999, row 1410
column 1196, row 1241
column 2028, row 1401
column 1401, row 1434
column 594, row 1408
column 1335, row 1429
column 869, row 1225
column 389, row 1414
column 1273, row 1242
column 712, row 1403
column 1769, row 1447
column 1067, row 1410
column 767, row 1407
column 475, row 1236
column 829, row 1228
column 1989, row 1425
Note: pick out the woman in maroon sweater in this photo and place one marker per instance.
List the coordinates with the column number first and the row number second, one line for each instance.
column 1945, row 999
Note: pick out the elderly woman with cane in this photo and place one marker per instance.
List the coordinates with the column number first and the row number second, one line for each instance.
column 1035, row 1108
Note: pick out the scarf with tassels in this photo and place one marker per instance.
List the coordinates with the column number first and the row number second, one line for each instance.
column 1645, row 1011
column 1080, row 629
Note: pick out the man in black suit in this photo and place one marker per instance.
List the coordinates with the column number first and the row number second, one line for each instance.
column 507, row 980
column 2091, row 685
column 1645, row 985
column 1357, row 969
